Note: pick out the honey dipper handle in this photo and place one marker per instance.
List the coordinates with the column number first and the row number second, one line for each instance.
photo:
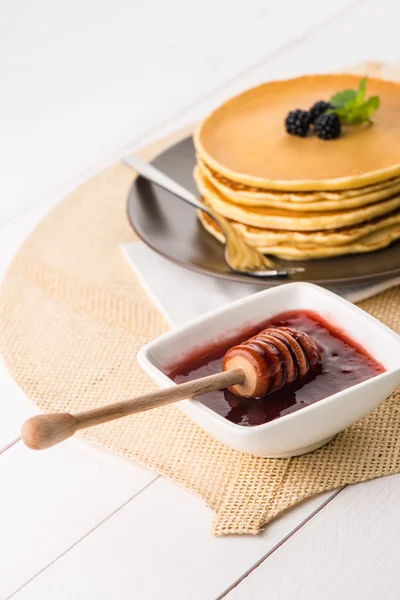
column 44, row 431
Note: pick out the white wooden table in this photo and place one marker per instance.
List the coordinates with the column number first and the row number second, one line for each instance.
column 81, row 82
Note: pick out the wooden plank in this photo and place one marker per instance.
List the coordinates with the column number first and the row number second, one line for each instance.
column 350, row 549
column 158, row 546
column 50, row 499
column 96, row 82
column 339, row 43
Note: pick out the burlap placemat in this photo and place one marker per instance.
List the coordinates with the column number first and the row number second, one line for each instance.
column 72, row 318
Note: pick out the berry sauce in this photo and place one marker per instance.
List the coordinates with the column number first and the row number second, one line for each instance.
column 344, row 364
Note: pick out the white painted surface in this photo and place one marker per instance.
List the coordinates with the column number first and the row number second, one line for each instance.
column 53, row 499
column 84, row 78
column 348, row 550
column 158, row 546
column 81, row 81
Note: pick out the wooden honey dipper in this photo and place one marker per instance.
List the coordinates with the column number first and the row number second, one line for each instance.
column 260, row 365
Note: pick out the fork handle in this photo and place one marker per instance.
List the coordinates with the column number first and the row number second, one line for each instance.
column 156, row 176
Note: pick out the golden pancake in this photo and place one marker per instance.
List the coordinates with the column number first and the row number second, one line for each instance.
column 375, row 240
column 263, row 238
column 300, row 201
column 273, row 218
column 245, row 139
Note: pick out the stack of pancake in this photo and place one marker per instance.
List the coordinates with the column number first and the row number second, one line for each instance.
column 302, row 198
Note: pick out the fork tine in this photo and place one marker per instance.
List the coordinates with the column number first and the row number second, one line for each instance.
column 244, row 258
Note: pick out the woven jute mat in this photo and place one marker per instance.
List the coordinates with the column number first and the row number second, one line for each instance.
column 72, row 318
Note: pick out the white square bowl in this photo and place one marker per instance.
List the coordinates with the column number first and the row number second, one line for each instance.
column 310, row 427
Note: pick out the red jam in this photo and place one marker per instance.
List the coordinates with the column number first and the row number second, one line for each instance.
column 344, row 364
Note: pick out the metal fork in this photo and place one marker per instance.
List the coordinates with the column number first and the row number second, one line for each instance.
column 239, row 255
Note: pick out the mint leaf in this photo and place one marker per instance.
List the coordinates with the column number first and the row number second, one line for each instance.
column 340, row 99
column 372, row 104
column 356, row 115
column 340, row 112
column 362, row 113
column 360, row 96
column 351, row 106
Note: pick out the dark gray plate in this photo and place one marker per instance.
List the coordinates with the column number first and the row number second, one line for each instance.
column 171, row 228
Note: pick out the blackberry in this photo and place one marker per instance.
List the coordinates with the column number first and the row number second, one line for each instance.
column 298, row 122
column 327, row 127
column 318, row 109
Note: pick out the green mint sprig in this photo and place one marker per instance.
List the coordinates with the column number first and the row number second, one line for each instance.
column 352, row 107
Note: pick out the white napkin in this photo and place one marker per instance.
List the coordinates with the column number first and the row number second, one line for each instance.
column 181, row 295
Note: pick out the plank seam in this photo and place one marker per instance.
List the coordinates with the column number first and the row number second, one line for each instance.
column 114, row 512
column 10, row 445
column 282, row 541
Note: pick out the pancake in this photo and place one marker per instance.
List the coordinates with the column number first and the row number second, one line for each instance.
column 263, row 238
column 376, row 240
column 300, row 201
column 245, row 138
column 273, row 218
